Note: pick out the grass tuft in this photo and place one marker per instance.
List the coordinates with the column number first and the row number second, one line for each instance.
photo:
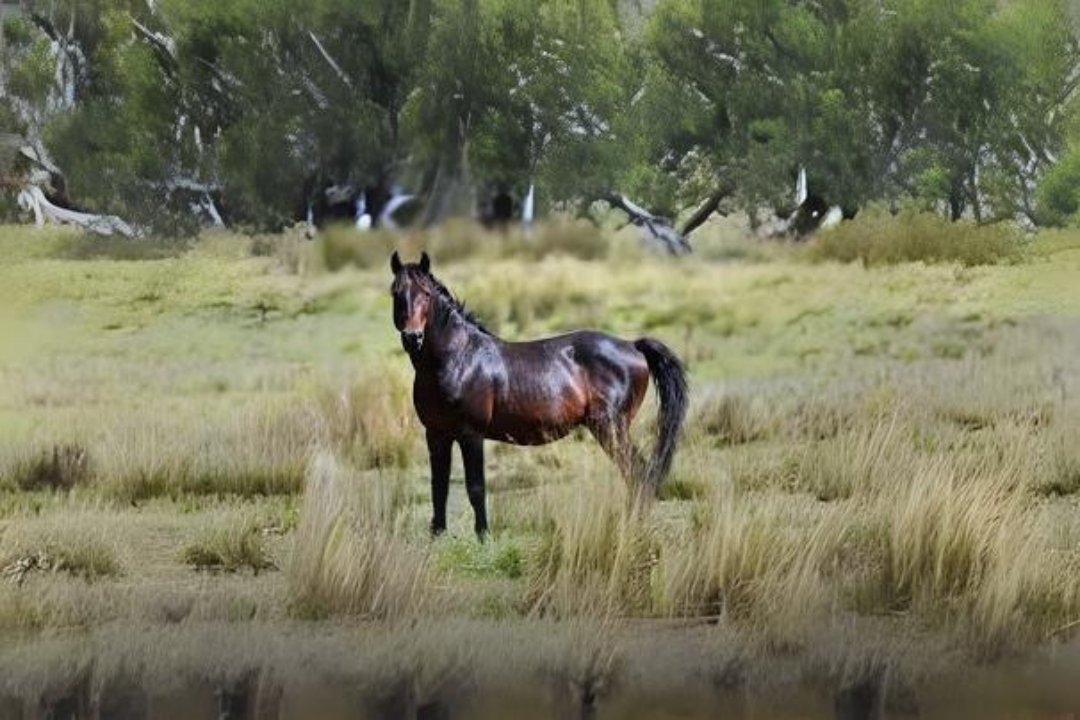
column 351, row 554
column 63, row 468
column 75, row 545
column 596, row 555
column 371, row 421
column 231, row 548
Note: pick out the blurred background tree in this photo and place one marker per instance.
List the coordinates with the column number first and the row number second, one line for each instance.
column 178, row 113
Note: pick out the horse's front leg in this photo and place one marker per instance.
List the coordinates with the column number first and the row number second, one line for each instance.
column 472, row 452
column 439, row 451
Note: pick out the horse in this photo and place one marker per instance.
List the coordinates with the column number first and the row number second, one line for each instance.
column 471, row 386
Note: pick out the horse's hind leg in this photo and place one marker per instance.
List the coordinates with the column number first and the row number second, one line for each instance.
column 472, row 453
column 613, row 434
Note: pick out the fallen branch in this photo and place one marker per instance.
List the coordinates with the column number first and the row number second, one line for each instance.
column 711, row 205
column 658, row 228
column 33, row 199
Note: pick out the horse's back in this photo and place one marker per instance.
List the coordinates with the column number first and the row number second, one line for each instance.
column 609, row 371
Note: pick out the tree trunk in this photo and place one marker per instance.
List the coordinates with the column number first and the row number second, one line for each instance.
column 956, row 199
column 707, row 208
column 973, row 182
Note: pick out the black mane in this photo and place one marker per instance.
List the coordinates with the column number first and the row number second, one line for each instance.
column 452, row 304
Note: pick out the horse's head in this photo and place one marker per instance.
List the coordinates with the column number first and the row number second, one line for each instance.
column 413, row 295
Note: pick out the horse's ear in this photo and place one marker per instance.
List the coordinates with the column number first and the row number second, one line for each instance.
column 425, row 262
column 395, row 263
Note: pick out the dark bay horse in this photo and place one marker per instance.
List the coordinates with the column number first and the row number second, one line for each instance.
column 471, row 386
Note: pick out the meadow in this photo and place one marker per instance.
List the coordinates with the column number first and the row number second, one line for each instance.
column 880, row 472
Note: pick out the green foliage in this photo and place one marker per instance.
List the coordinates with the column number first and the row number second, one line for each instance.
column 1059, row 192
column 959, row 108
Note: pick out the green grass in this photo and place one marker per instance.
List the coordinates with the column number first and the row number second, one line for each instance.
column 884, row 439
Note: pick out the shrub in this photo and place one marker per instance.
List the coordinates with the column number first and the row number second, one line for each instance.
column 1058, row 194
column 877, row 238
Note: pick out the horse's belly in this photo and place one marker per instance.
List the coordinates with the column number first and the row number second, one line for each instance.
column 536, row 423
column 527, row 434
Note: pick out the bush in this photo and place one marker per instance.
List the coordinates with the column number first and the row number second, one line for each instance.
column 1058, row 195
column 877, row 238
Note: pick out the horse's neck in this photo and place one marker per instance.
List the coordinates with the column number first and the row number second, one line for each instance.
column 449, row 332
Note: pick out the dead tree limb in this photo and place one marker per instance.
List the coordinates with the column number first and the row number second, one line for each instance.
column 711, row 205
column 654, row 227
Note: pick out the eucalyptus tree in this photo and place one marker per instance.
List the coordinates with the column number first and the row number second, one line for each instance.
column 958, row 105
column 514, row 90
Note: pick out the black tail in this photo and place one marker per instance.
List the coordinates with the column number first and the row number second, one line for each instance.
column 670, row 379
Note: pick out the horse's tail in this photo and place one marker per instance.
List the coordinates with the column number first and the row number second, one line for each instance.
column 670, row 378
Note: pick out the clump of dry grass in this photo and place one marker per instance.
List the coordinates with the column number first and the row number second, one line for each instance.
column 597, row 553
column 789, row 414
column 351, row 552
column 751, row 558
column 458, row 240
column 74, row 543
column 968, row 549
column 261, row 450
column 63, row 467
column 842, row 466
column 732, row 419
column 556, row 293
column 1061, row 464
column 341, row 246
column 941, row 532
column 371, row 421
column 566, row 236
column 231, row 547
column 926, row 519
column 292, row 250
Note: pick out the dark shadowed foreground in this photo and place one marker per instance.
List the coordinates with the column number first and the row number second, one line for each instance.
column 492, row 670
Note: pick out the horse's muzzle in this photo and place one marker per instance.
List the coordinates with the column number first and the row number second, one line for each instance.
column 412, row 341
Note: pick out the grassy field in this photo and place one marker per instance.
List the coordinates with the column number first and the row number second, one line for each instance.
column 221, row 431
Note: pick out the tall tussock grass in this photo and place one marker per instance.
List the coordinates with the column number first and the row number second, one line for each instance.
column 875, row 237
column 259, row 450
column 64, row 466
column 351, row 552
column 969, row 548
column 370, row 420
column 756, row 559
column 257, row 447
column 230, row 546
column 597, row 553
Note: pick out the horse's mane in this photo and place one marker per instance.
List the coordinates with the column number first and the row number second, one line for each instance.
column 452, row 304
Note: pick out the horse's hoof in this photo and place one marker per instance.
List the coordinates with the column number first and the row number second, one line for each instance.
column 437, row 530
